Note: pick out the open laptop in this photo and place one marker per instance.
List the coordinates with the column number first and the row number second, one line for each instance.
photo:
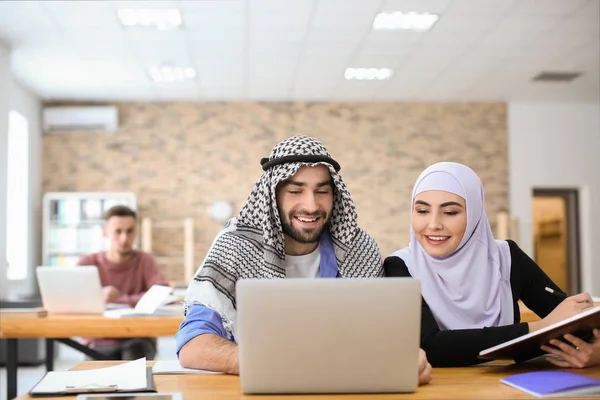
column 71, row 290
column 328, row 335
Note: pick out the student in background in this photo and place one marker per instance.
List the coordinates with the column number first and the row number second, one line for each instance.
column 471, row 283
column 299, row 221
column 126, row 274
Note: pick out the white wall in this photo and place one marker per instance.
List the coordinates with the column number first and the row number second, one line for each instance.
column 14, row 96
column 5, row 84
column 29, row 106
column 557, row 145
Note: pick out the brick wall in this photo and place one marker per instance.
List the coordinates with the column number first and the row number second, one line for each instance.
column 180, row 157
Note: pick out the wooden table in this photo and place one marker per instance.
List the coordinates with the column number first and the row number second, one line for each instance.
column 480, row 382
column 62, row 328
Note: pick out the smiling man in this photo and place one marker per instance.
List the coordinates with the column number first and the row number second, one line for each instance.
column 299, row 221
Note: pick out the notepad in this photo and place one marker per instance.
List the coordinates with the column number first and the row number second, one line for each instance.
column 554, row 384
column 528, row 346
column 128, row 377
column 173, row 367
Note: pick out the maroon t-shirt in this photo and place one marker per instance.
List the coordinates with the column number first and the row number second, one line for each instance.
column 132, row 278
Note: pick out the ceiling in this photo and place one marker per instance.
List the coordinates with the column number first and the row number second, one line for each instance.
column 275, row 50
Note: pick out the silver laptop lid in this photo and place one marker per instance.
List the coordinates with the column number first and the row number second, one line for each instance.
column 70, row 290
column 328, row 335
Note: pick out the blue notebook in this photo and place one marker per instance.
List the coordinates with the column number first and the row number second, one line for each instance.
column 554, row 384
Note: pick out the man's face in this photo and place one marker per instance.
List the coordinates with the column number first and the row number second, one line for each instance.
column 305, row 202
column 120, row 232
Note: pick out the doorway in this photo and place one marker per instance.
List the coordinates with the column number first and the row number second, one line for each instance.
column 556, row 236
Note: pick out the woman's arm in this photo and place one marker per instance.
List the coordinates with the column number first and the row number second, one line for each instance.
column 453, row 348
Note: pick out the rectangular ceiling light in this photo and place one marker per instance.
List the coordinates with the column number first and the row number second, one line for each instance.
column 168, row 73
column 162, row 19
column 397, row 20
column 368, row 74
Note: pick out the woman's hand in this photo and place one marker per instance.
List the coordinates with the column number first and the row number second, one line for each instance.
column 424, row 368
column 567, row 308
column 576, row 353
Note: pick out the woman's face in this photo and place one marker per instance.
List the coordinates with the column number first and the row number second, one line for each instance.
column 439, row 221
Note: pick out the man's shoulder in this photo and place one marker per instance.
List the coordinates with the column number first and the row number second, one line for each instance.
column 145, row 257
column 362, row 237
column 90, row 259
column 233, row 247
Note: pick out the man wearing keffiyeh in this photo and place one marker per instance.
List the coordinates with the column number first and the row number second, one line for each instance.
column 299, row 221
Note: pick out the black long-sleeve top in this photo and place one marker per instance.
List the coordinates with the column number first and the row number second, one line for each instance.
column 461, row 347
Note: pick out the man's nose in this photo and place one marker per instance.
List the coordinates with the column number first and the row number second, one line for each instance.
column 310, row 203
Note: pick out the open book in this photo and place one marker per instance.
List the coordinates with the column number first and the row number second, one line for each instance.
column 152, row 303
column 132, row 376
column 528, row 346
column 554, row 384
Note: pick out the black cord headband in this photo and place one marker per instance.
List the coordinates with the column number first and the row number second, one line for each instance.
column 266, row 163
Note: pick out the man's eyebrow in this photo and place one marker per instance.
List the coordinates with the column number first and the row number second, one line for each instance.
column 301, row 184
column 295, row 183
column 328, row 182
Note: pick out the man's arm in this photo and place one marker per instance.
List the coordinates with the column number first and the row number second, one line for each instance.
column 202, row 342
column 211, row 352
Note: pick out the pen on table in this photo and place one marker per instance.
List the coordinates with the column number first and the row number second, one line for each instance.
column 556, row 293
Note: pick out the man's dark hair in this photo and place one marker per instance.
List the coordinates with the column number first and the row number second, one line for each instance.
column 119, row 211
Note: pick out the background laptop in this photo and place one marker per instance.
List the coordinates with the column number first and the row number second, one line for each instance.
column 71, row 290
column 328, row 335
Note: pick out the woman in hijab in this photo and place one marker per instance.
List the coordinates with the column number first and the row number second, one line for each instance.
column 471, row 283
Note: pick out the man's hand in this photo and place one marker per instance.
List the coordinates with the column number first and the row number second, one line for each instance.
column 424, row 368
column 567, row 308
column 110, row 293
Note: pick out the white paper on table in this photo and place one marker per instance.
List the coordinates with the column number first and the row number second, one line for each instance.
column 147, row 305
column 126, row 377
column 152, row 299
column 172, row 367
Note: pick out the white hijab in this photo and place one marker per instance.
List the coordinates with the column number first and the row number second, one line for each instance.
column 470, row 288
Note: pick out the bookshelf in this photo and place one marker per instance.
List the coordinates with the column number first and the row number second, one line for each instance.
column 73, row 223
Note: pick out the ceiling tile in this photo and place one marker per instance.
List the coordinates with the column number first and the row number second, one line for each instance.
column 118, row 4
column 219, row 21
column 220, row 93
column 479, row 7
column 360, row 22
column 548, row 7
column 521, row 30
column 461, row 28
column 335, row 34
column 328, row 49
column 377, row 60
column 348, row 7
column 421, row 6
column 290, row 6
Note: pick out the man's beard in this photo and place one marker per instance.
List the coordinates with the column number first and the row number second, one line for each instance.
column 300, row 235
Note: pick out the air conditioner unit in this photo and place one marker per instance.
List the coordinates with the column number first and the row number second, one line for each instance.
column 88, row 118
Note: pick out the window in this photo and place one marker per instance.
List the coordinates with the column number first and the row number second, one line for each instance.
column 17, row 197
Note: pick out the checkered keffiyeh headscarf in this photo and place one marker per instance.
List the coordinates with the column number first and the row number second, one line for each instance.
column 252, row 245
